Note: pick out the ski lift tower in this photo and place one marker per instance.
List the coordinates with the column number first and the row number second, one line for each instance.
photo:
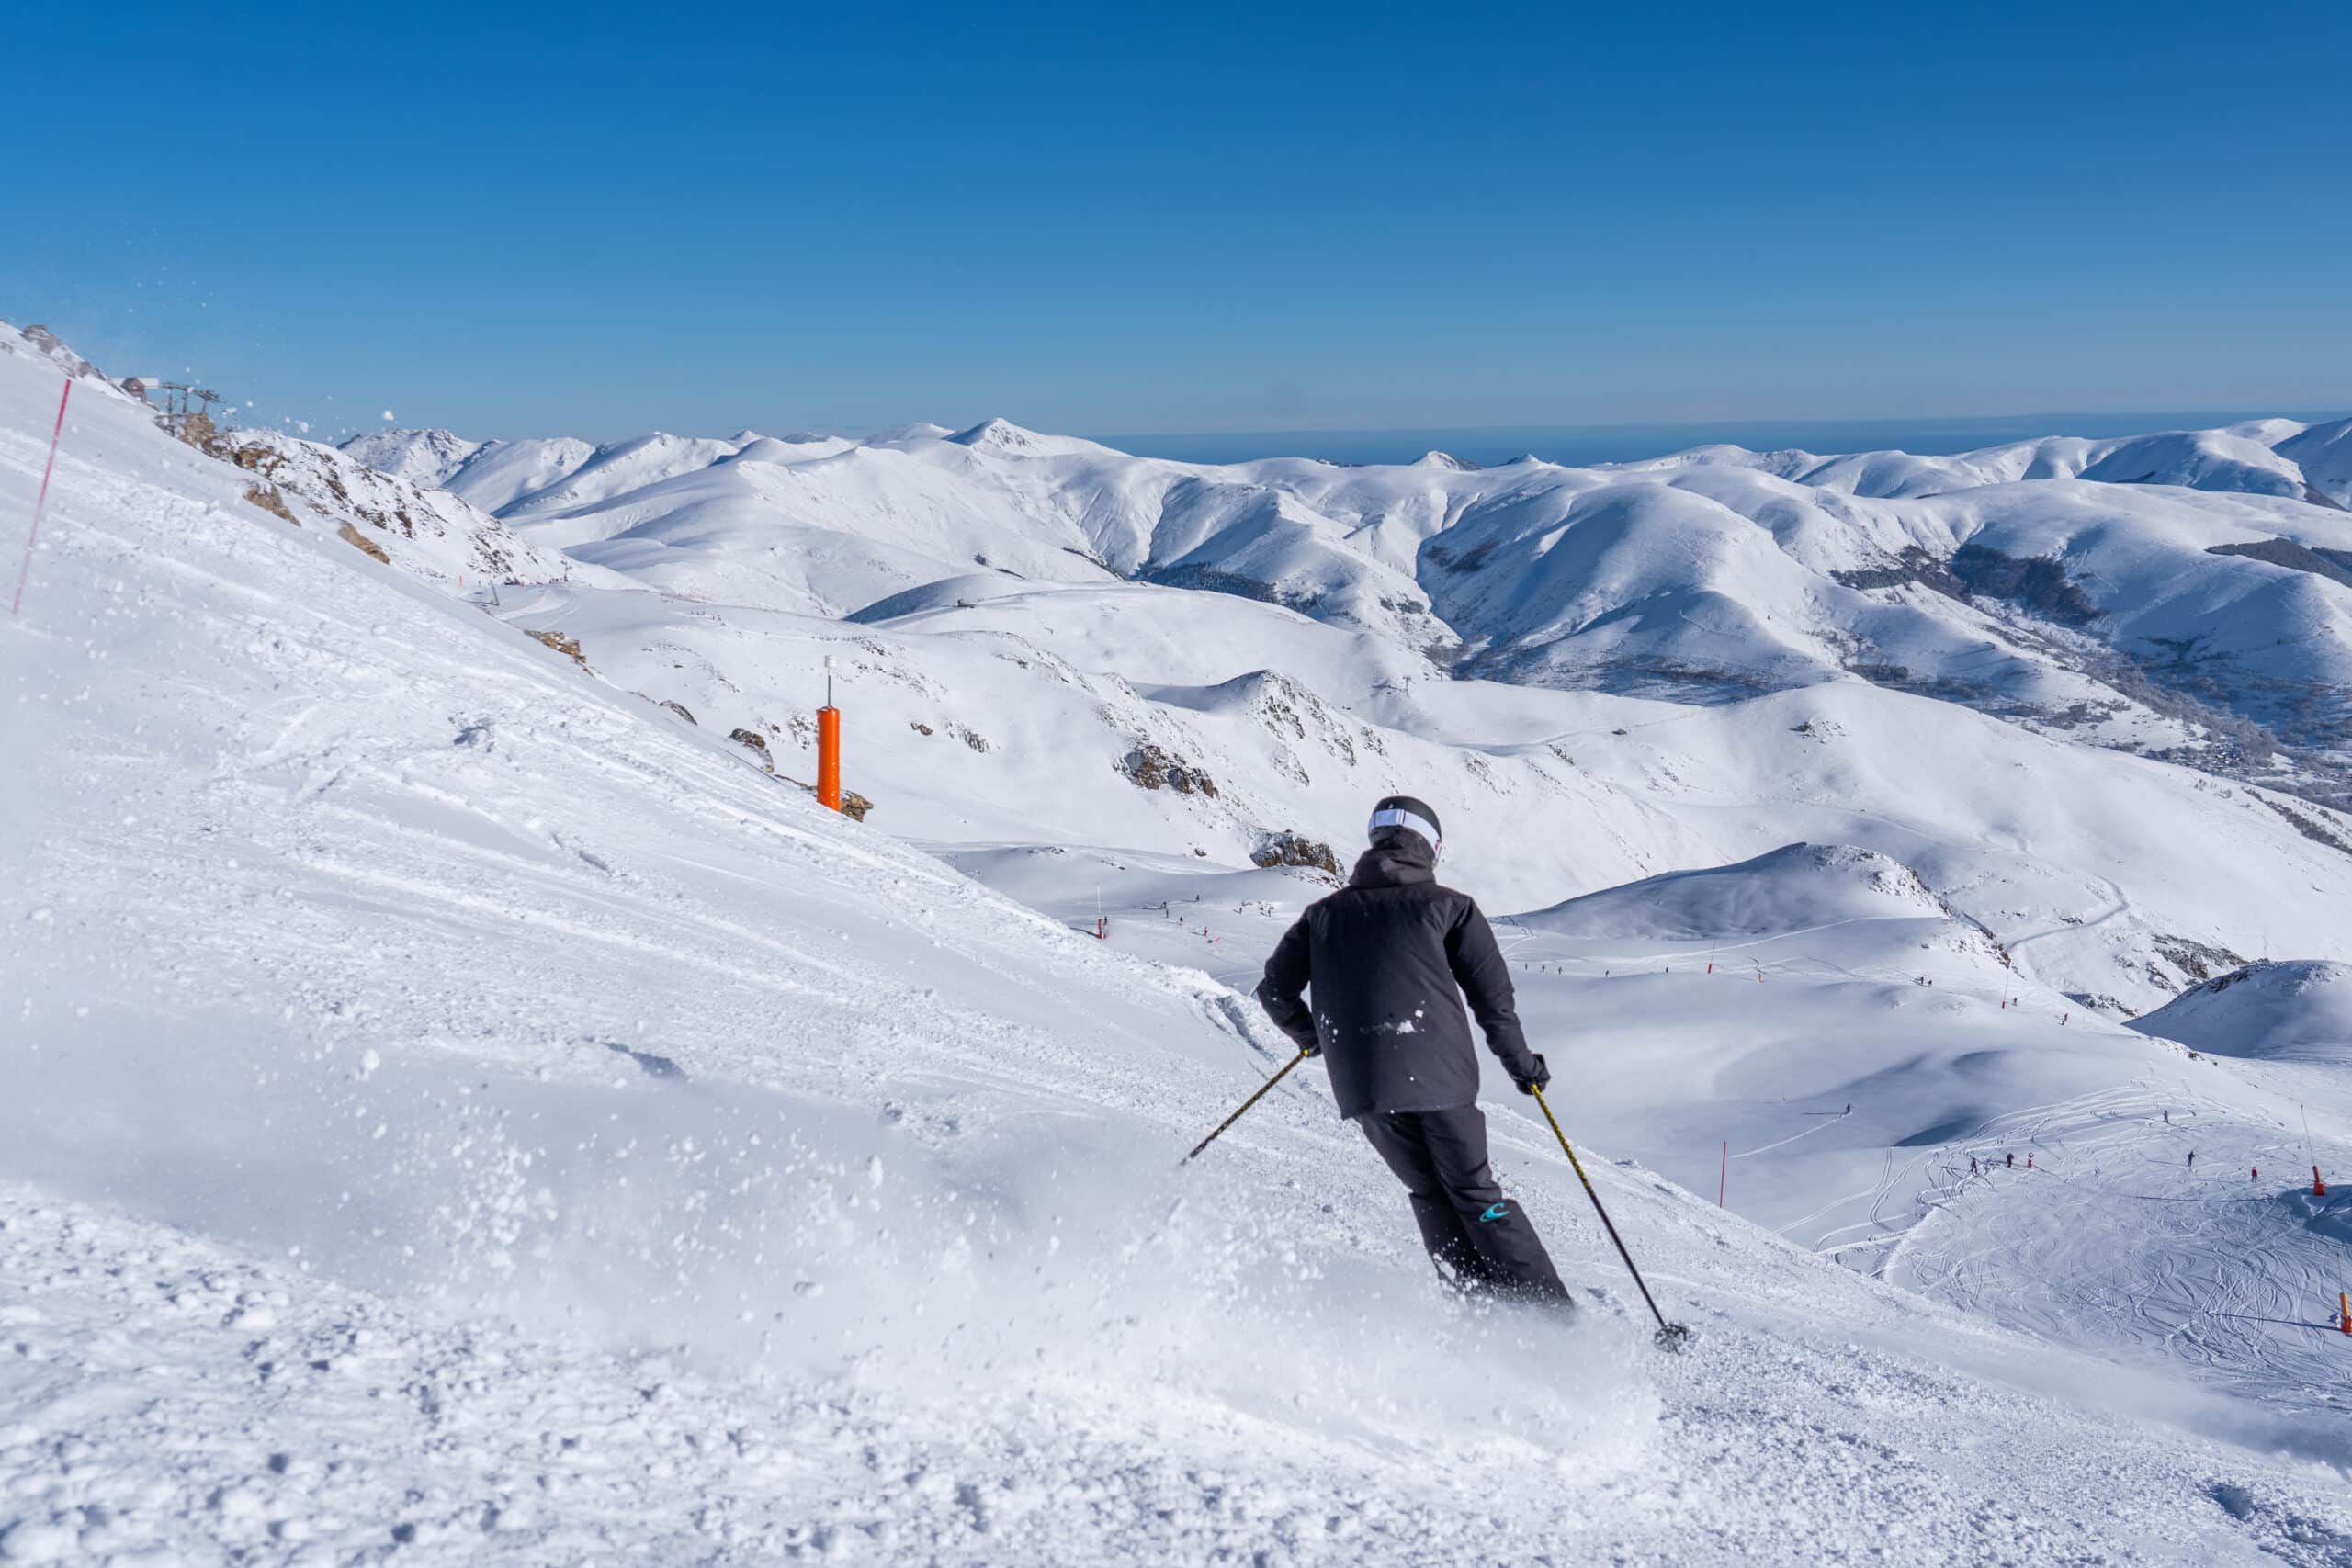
column 184, row 405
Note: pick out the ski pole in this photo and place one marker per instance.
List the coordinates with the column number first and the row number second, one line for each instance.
column 1245, row 1104
column 1670, row 1336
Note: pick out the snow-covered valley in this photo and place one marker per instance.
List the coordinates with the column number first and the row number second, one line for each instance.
column 461, row 1100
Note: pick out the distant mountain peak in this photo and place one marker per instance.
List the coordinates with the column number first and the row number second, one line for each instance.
column 425, row 457
column 1437, row 459
column 1004, row 438
column 1001, row 435
column 435, row 436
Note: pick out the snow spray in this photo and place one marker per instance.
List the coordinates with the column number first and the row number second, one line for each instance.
column 42, row 504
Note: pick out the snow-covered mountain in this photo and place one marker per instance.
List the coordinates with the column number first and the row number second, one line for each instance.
column 2059, row 605
column 420, row 456
column 2298, row 1009
column 456, row 1105
column 2162, row 591
column 419, row 527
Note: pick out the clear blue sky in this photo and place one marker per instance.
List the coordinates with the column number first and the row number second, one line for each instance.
column 598, row 220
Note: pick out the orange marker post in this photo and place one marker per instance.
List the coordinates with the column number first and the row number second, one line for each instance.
column 2319, row 1188
column 828, row 757
column 828, row 746
column 2344, row 1312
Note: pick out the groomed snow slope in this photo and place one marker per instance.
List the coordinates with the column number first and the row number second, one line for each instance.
column 451, row 1107
column 1797, row 887
column 1832, row 1066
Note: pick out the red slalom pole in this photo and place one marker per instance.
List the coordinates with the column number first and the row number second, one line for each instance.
column 39, row 506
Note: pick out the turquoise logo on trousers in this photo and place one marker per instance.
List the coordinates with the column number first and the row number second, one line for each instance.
column 1492, row 1214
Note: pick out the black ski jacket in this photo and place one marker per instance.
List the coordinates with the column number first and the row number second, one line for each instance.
column 1384, row 955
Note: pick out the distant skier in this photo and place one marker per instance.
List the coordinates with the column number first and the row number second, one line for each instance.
column 1972, row 1165
column 1390, row 957
column 2009, row 1162
column 2167, row 1117
column 2028, row 1159
column 2192, row 1159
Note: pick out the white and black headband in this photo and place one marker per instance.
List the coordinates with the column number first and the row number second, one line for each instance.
column 1397, row 817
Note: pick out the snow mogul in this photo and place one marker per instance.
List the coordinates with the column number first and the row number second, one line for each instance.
column 1389, row 959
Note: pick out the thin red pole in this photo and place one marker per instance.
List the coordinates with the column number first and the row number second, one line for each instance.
column 26, row 569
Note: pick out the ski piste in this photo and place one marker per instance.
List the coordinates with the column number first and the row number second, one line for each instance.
column 336, row 1223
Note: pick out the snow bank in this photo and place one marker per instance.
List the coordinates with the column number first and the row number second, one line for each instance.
column 2295, row 1009
column 1793, row 888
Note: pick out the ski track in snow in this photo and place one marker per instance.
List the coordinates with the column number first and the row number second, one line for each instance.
column 2233, row 1276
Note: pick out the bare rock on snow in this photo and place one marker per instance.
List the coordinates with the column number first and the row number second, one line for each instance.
column 265, row 496
column 1151, row 766
column 353, row 536
column 2198, row 960
column 758, row 744
column 568, row 646
column 47, row 342
column 678, row 708
column 1288, row 848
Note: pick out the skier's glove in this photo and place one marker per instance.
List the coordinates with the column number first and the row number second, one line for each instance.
column 1535, row 1078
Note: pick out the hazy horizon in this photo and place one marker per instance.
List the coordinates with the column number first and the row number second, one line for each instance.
column 1582, row 444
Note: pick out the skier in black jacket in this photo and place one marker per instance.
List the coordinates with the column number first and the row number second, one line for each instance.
column 1390, row 957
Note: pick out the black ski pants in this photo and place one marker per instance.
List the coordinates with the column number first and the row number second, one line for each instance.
column 1477, row 1237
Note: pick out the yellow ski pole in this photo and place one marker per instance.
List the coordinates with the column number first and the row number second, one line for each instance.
column 1245, row 1104
column 1670, row 1336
